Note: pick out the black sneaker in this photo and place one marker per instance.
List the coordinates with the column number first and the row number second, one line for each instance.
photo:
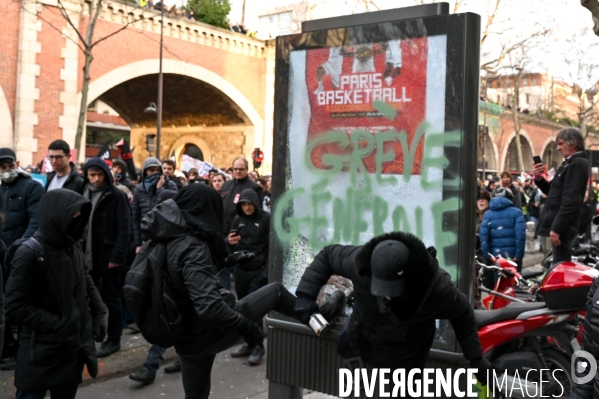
column 143, row 376
column 9, row 364
column 333, row 306
column 107, row 348
column 257, row 355
column 173, row 368
column 244, row 351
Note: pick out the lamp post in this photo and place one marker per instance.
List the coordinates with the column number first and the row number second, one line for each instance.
column 158, row 109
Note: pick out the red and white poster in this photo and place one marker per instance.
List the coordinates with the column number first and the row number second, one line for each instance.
column 344, row 82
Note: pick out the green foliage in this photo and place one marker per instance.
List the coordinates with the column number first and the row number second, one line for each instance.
column 213, row 12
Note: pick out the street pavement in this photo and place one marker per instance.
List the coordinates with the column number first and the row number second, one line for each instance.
column 231, row 379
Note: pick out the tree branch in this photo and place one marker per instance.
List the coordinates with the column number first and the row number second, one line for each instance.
column 111, row 34
column 66, row 16
column 55, row 28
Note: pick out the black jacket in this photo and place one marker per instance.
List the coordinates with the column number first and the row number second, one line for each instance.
column 143, row 202
column 590, row 340
column 402, row 337
column 229, row 192
column 565, row 195
column 54, row 301
column 191, row 270
column 75, row 182
column 254, row 231
column 111, row 224
column 18, row 203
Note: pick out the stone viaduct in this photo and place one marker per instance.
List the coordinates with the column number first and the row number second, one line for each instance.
column 218, row 84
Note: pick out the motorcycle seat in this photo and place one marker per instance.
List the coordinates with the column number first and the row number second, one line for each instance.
column 511, row 311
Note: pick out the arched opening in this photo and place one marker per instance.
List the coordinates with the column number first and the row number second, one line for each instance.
column 551, row 157
column 193, row 151
column 196, row 103
column 486, row 156
column 511, row 160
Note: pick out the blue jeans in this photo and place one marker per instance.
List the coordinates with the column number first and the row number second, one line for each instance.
column 224, row 277
column 152, row 363
column 59, row 393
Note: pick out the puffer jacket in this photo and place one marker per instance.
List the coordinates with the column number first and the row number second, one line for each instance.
column 18, row 203
column 254, row 231
column 75, row 182
column 503, row 230
column 590, row 340
column 191, row 271
column 54, row 301
column 565, row 195
column 403, row 336
column 143, row 201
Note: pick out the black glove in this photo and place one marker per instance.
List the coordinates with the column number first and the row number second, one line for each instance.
column 254, row 336
column 483, row 366
column 100, row 326
column 304, row 308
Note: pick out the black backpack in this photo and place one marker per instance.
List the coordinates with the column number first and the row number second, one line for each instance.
column 30, row 242
column 149, row 295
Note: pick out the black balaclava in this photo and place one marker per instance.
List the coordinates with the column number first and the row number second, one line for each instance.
column 202, row 208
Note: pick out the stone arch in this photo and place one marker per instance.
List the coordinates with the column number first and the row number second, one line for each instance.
column 179, row 145
column 253, row 120
column 551, row 158
column 526, row 155
column 6, row 126
column 491, row 155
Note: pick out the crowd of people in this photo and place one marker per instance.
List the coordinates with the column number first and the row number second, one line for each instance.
column 560, row 209
column 113, row 206
column 68, row 245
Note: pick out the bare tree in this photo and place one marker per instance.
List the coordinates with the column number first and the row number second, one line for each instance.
column 583, row 70
column 85, row 41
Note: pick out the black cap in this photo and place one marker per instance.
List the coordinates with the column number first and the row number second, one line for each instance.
column 388, row 263
column 6, row 154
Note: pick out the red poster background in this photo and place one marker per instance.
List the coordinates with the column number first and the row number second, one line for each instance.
column 326, row 117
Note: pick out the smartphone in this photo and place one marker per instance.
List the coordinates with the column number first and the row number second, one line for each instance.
column 537, row 159
column 234, row 232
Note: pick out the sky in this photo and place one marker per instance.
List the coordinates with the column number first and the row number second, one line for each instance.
column 517, row 19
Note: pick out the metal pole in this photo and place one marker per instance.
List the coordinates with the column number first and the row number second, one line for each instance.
column 159, row 111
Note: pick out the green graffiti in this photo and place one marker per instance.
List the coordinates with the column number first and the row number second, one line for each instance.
column 438, row 140
column 385, row 109
column 380, row 211
column 282, row 207
column 318, row 197
column 400, row 219
column 444, row 238
column 335, row 162
column 360, row 151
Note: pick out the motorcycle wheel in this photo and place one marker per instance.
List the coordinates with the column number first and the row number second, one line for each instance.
column 559, row 364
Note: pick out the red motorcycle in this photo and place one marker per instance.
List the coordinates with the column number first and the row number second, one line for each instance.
column 541, row 335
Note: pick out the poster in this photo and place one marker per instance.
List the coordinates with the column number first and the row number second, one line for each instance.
column 367, row 129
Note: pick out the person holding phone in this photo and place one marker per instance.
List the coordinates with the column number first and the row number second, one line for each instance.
column 565, row 194
column 250, row 232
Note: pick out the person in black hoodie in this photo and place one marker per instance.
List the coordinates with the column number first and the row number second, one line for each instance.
column 55, row 303
column 191, row 224
column 64, row 174
column 399, row 291
column 250, row 232
column 106, row 243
